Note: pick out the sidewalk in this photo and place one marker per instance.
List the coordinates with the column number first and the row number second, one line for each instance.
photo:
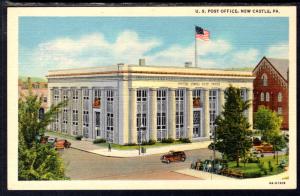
column 209, row 176
column 88, row 146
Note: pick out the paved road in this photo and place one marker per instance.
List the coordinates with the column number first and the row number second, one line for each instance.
column 87, row 166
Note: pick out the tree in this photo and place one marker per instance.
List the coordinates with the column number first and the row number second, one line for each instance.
column 233, row 134
column 269, row 123
column 36, row 161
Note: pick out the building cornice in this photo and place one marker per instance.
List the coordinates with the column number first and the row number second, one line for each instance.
column 167, row 73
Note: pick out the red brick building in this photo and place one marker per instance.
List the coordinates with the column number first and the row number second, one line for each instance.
column 271, row 87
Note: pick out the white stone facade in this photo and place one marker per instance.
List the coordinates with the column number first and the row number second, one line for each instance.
column 132, row 104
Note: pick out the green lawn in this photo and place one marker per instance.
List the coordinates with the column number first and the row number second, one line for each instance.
column 254, row 168
column 120, row 147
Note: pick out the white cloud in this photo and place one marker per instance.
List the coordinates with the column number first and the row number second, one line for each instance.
column 279, row 50
column 96, row 50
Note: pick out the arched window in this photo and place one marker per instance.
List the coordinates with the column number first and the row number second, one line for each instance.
column 262, row 96
column 267, row 97
column 264, row 79
column 279, row 97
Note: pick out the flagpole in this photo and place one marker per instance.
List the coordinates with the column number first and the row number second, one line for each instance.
column 196, row 56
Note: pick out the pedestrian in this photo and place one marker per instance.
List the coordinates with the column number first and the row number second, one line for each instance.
column 109, row 147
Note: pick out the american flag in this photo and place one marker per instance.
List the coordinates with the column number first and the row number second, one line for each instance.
column 201, row 33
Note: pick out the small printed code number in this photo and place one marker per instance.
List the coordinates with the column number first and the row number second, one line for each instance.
column 277, row 182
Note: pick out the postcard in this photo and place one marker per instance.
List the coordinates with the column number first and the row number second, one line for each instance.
column 130, row 98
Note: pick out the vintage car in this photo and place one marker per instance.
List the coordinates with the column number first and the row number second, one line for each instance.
column 173, row 156
column 61, row 144
column 264, row 147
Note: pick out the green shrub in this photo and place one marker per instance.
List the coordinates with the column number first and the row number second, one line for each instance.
column 130, row 144
column 185, row 140
column 150, row 142
column 169, row 140
column 255, row 174
column 78, row 137
column 97, row 141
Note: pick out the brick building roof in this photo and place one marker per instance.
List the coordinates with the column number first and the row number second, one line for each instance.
column 281, row 65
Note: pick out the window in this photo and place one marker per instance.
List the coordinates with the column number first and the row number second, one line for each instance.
column 243, row 94
column 161, row 95
column 142, row 95
column 267, row 97
column 264, row 79
column 262, row 96
column 179, row 97
column 110, row 95
column 45, row 99
column 179, row 119
column 110, row 121
column 279, row 97
column 85, row 94
column 179, row 94
column 75, row 117
column 161, row 121
column 75, row 94
column 85, row 118
column 56, row 94
column 65, row 95
column 213, row 106
column 65, row 116
column 279, row 110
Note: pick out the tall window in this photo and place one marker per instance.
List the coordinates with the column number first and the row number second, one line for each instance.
column 109, row 115
column 179, row 97
column 65, row 94
column 75, row 117
column 75, row 94
column 213, row 106
column 142, row 110
column 161, row 114
column 267, row 97
column 264, row 79
column 279, row 97
column 65, row 120
column 262, row 96
column 279, row 110
column 56, row 94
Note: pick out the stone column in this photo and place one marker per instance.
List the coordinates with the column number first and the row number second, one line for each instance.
column 221, row 100
column 171, row 114
column 153, row 114
column 189, row 109
column 132, row 116
column 250, row 109
column 206, row 113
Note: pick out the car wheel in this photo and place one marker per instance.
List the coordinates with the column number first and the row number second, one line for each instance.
column 168, row 161
column 182, row 159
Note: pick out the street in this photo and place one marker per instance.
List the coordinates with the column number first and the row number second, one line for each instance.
column 82, row 165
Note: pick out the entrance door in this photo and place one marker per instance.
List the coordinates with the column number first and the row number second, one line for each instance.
column 197, row 123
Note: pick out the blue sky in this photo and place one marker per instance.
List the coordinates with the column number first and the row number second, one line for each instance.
column 47, row 43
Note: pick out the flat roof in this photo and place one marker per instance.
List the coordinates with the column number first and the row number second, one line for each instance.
column 123, row 69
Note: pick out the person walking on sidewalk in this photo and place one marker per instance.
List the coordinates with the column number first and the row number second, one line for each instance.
column 109, row 147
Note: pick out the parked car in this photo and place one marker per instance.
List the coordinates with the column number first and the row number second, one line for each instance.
column 256, row 141
column 264, row 147
column 52, row 140
column 173, row 156
column 61, row 144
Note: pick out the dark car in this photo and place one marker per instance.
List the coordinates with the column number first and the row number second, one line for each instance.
column 173, row 156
